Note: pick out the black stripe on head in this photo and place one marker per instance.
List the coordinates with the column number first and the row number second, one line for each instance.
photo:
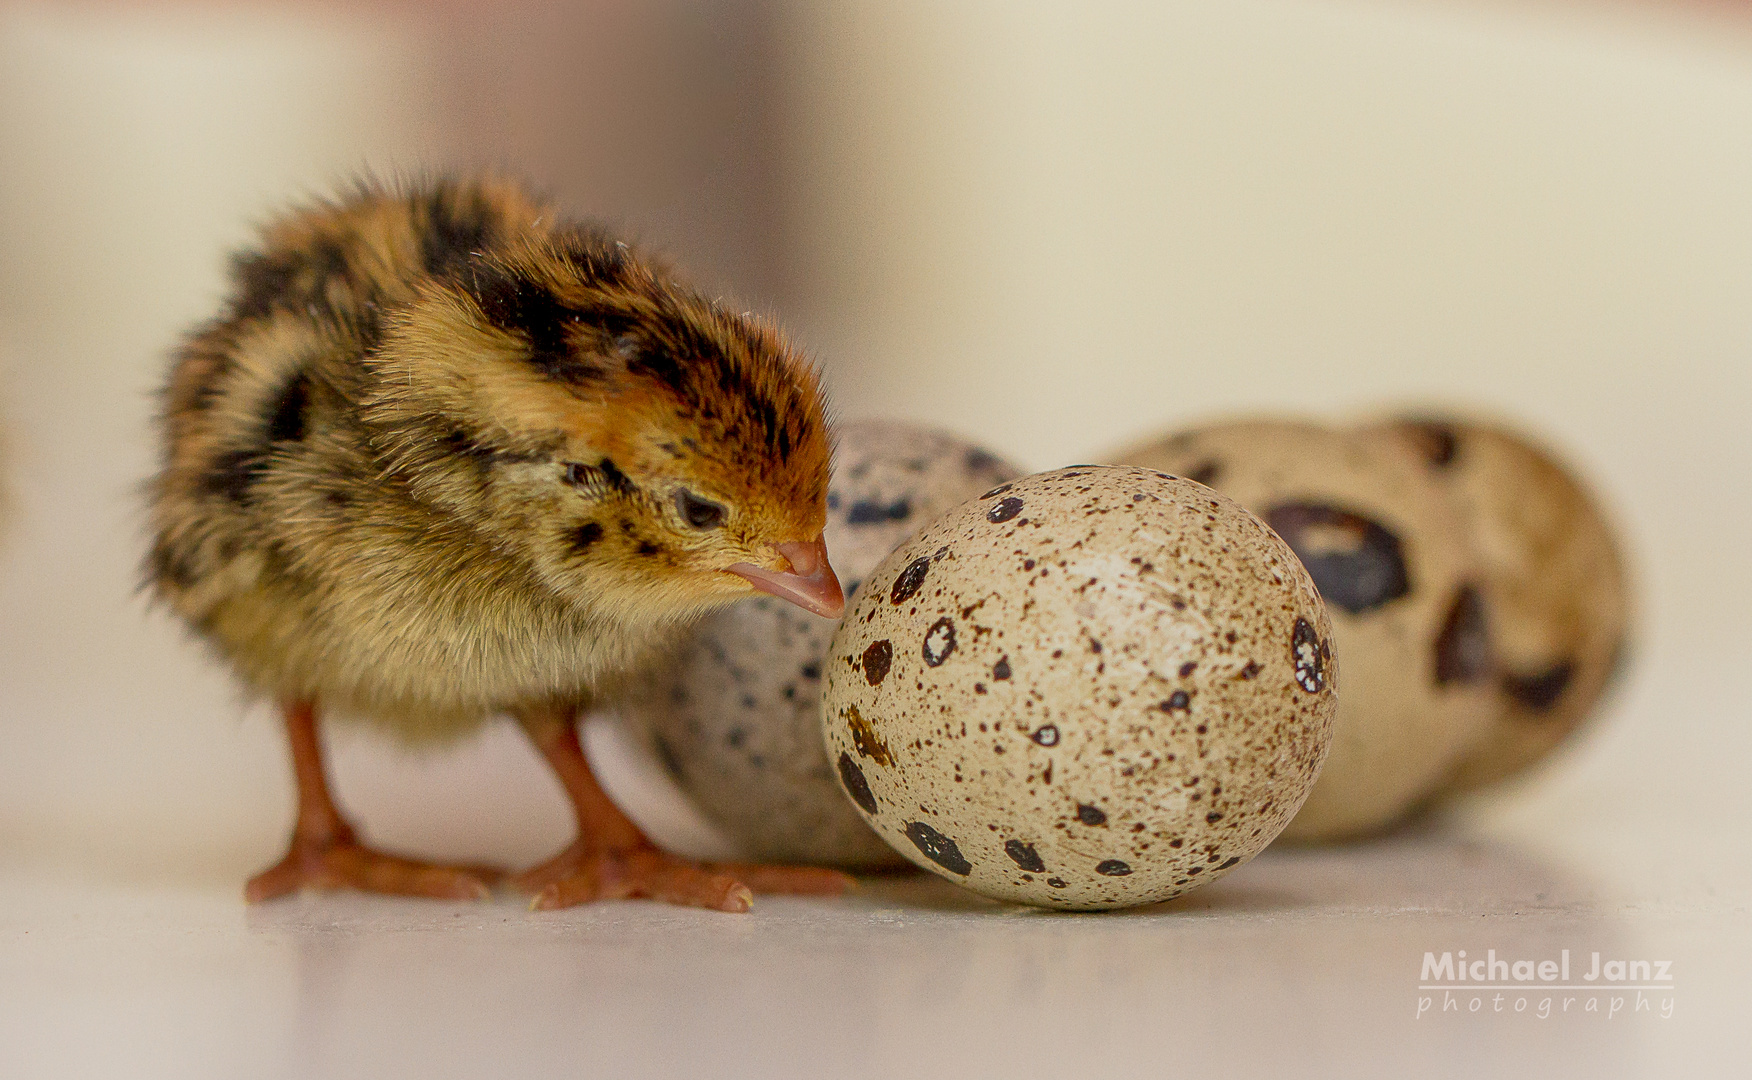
column 763, row 412
column 458, row 225
column 653, row 362
column 597, row 258
column 519, row 306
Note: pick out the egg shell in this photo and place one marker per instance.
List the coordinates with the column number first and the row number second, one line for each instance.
column 1561, row 601
column 1409, row 607
column 1092, row 688
column 735, row 715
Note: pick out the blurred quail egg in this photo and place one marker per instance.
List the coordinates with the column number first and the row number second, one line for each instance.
column 1560, row 601
column 1409, row 610
column 736, row 717
column 1092, row 688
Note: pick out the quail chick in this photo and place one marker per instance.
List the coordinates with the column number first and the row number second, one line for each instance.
column 445, row 455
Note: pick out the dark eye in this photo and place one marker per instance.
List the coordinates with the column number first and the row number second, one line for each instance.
column 578, row 475
column 700, row 513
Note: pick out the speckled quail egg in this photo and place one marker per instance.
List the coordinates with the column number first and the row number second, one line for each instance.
column 1091, row 688
column 736, row 717
column 1560, row 601
column 1409, row 608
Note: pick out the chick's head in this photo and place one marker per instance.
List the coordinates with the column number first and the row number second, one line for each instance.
column 641, row 449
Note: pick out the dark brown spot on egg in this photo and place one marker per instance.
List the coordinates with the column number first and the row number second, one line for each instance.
column 1308, row 657
column 939, row 642
column 1004, row 511
column 667, row 756
column 1542, row 689
column 1024, row 855
column 978, row 460
column 1435, row 440
column 1046, row 735
column 1463, row 646
column 910, row 580
column 937, row 848
column 871, row 512
column 876, row 660
column 1112, row 868
column 855, row 784
column 1618, row 668
column 1091, row 815
column 1205, row 472
column 1356, row 563
column 1178, row 701
column 864, row 737
column 1188, row 668
column 1001, row 669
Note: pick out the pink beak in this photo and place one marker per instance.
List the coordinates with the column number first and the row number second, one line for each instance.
column 811, row 584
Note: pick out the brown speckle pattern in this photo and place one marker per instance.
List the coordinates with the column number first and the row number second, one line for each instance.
column 1073, row 727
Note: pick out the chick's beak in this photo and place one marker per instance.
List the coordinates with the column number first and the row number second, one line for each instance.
column 810, row 584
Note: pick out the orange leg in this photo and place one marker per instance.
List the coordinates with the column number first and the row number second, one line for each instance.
column 612, row 859
column 325, row 853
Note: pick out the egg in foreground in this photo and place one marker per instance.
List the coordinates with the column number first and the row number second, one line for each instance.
column 735, row 715
column 1092, row 688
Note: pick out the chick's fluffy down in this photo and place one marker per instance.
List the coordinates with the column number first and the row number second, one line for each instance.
column 444, row 453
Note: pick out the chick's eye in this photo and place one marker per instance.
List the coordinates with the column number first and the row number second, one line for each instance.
column 698, row 512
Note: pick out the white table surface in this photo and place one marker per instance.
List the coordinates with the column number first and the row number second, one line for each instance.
column 1301, row 963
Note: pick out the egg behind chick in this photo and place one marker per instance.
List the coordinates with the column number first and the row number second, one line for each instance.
column 1408, row 601
column 1560, row 591
column 735, row 717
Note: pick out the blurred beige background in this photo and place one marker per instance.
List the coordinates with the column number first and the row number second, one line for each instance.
column 1051, row 229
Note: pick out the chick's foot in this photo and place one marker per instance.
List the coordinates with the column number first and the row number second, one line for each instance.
column 325, row 853
column 583, row 873
column 344, row 863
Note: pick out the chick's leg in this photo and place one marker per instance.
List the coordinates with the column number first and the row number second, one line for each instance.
column 326, row 854
column 612, row 859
